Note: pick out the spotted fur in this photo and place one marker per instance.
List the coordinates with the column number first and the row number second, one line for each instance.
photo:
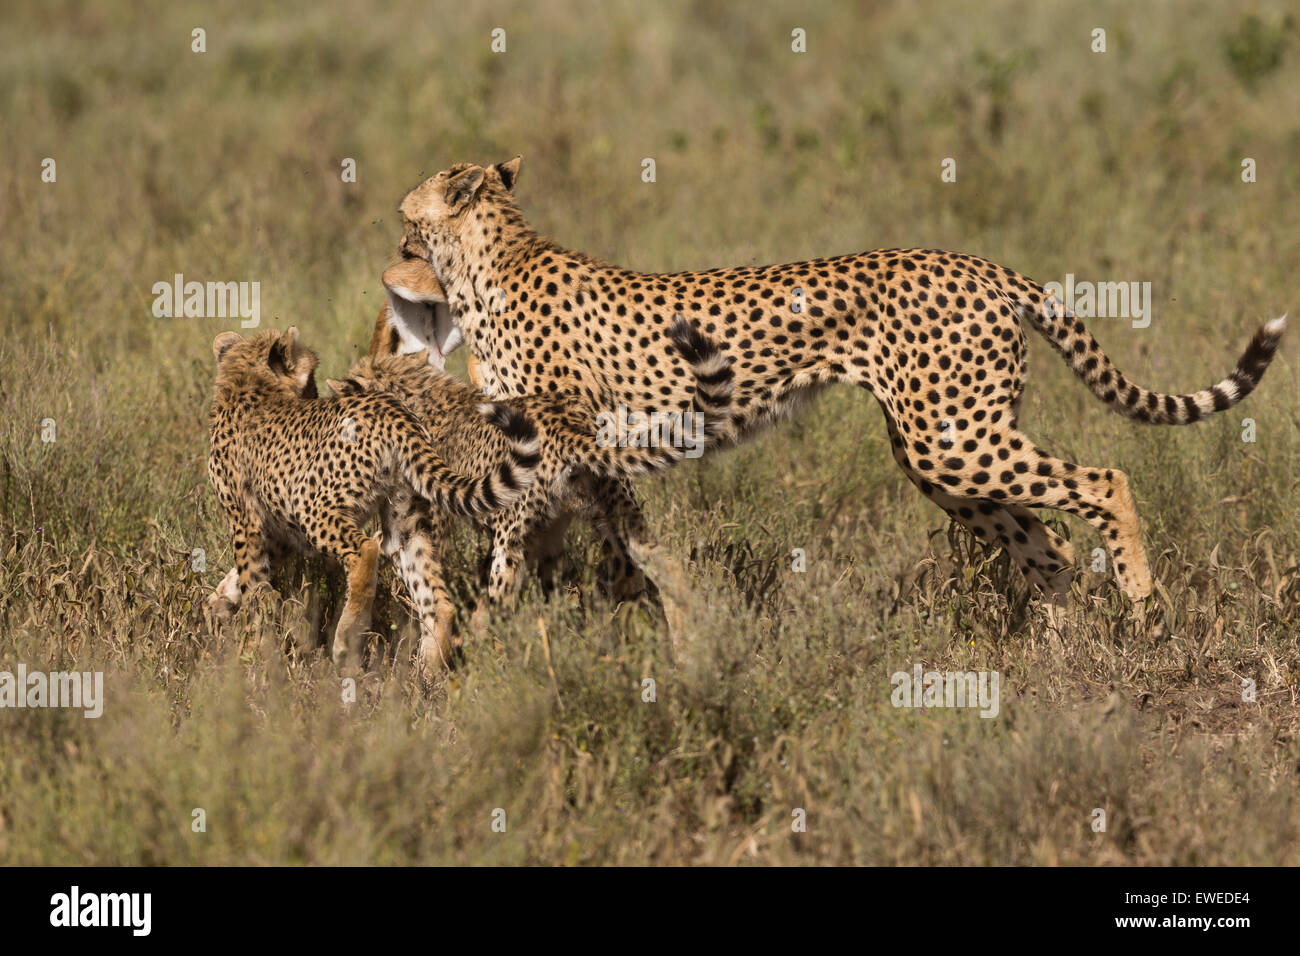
column 298, row 471
column 936, row 337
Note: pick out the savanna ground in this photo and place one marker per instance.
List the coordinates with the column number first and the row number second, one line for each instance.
column 225, row 165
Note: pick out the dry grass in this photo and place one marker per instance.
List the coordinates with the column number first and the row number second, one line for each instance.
column 224, row 166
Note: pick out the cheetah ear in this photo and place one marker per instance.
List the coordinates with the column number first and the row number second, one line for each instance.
column 222, row 342
column 275, row 358
column 462, row 187
column 284, row 354
column 296, row 355
column 509, row 172
column 354, row 385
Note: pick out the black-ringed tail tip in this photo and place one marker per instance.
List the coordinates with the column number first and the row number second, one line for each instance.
column 709, row 366
column 523, row 447
column 516, row 472
column 517, row 426
column 1086, row 359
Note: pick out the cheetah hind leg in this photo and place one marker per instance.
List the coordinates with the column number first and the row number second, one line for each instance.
column 1044, row 557
column 1100, row 496
column 361, row 566
column 619, row 578
column 521, row 539
column 542, row 547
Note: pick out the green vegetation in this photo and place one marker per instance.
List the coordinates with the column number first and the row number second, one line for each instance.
column 225, row 166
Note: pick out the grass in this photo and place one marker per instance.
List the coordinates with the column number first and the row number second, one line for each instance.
column 1124, row 165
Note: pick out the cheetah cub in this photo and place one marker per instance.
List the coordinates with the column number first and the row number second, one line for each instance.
column 578, row 474
column 295, row 471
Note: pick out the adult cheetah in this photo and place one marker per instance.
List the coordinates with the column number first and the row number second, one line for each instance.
column 936, row 337
column 294, row 471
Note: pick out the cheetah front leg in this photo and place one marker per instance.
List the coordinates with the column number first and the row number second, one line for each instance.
column 618, row 577
column 505, row 577
column 648, row 566
column 252, row 563
column 226, row 599
column 546, row 546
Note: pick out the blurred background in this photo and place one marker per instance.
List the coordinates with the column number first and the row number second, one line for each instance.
column 226, row 165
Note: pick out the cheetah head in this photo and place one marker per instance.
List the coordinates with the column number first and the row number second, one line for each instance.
column 417, row 316
column 274, row 362
column 451, row 219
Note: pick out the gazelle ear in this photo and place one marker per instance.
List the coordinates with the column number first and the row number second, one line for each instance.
column 414, row 280
column 462, row 187
column 384, row 340
column 222, row 342
column 509, row 172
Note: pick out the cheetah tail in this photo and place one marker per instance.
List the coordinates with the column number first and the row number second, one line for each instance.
column 1086, row 359
column 713, row 376
column 472, row 496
